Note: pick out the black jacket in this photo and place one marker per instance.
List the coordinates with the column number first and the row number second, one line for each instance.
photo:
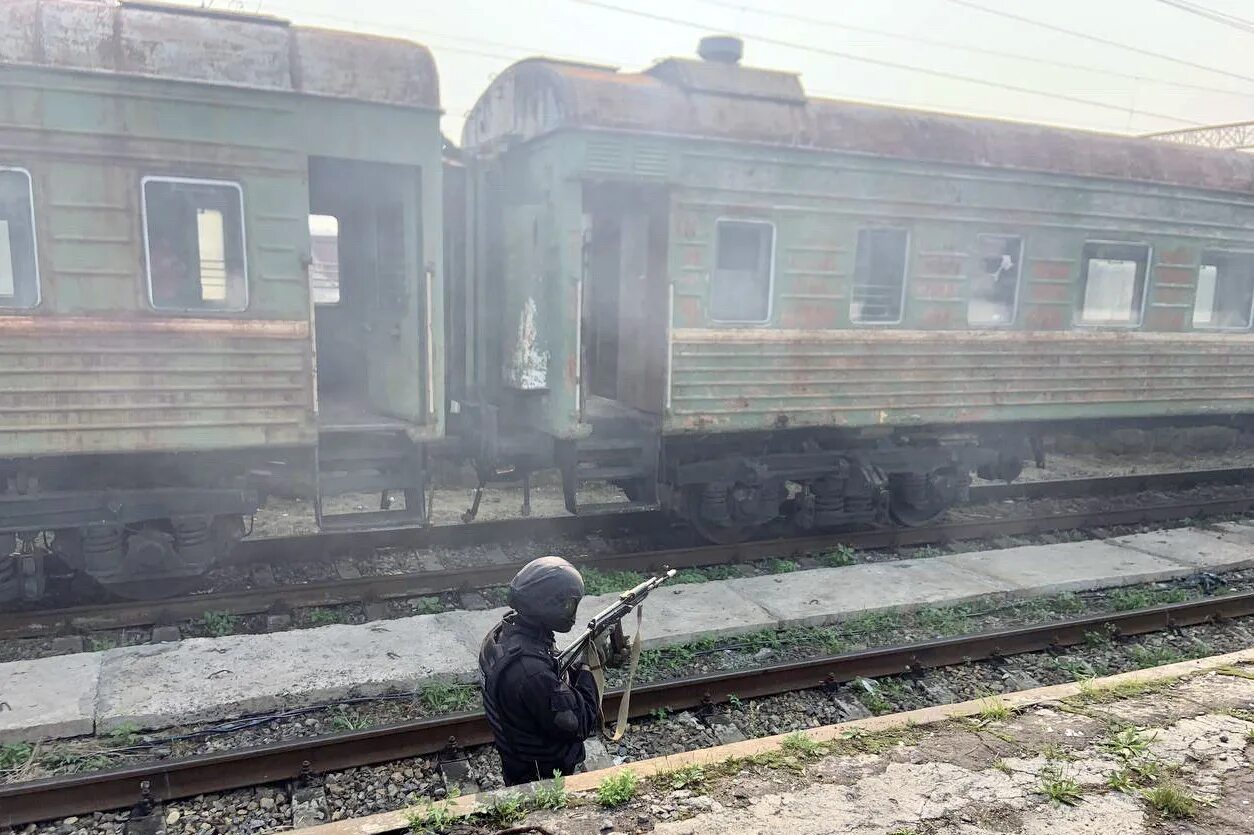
column 539, row 718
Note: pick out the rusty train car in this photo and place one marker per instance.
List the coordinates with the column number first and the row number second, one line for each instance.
column 236, row 253
column 748, row 304
column 162, row 360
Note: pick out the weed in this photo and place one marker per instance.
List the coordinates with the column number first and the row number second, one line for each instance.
column 218, row 624
column 348, row 719
column 838, row 557
column 125, row 735
column 73, row 762
column 1249, row 735
column 506, row 810
column 949, row 620
column 1122, row 780
column 832, row 642
column 431, row 818
column 659, row 713
column 871, row 697
column 928, row 551
column 14, row 755
column 551, row 795
column 1145, row 656
column 762, row 639
column 1067, row 603
column 1055, row 753
column 322, row 617
column 737, row 704
column 688, row 777
column 722, row 572
column 1002, row 766
column 801, row 746
column 993, row 709
column 447, row 698
column 1057, row 786
column 1171, row 801
column 617, row 789
column 100, row 643
column 1142, row 597
column 1077, row 668
column 689, row 575
column 1236, row 672
column 1099, row 638
column 874, row 626
column 1128, row 744
column 905, row 830
column 604, row 582
column 1093, row 694
column 778, row 566
column 430, row 604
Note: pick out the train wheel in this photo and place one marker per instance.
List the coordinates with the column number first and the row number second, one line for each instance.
column 711, row 511
column 916, row 499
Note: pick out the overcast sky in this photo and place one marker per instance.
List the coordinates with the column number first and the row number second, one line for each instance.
column 1188, row 68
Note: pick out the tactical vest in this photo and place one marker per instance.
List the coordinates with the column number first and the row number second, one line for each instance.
column 516, row 736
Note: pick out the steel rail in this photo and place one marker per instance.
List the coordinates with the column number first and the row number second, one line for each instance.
column 388, row 586
column 46, row 799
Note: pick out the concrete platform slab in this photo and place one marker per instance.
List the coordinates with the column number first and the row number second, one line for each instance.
column 1068, row 567
column 207, row 679
column 679, row 614
column 1201, row 549
column 48, row 698
column 827, row 595
column 469, row 626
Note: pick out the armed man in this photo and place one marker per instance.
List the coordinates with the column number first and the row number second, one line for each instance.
column 543, row 704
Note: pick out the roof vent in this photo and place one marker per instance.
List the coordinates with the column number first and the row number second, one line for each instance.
column 721, row 49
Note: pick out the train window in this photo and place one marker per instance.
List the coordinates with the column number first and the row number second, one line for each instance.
column 740, row 287
column 995, row 284
column 324, row 267
column 1225, row 290
column 1114, row 283
column 194, row 240
column 879, row 276
column 19, row 270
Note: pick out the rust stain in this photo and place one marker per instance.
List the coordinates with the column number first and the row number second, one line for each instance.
column 55, row 325
column 941, row 264
column 1048, row 292
column 1166, row 319
column 1179, row 255
column 1050, row 270
column 688, row 311
column 809, row 313
column 1175, row 275
column 1046, row 318
column 1173, row 295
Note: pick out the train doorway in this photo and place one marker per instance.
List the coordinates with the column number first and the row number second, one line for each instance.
column 369, row 316
column 625, row 297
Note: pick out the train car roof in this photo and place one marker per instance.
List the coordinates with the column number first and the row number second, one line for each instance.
column 715, row 100
column 213, row 47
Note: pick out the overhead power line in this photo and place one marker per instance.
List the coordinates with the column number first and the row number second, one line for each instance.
column 976, row 50
column 885, row 63
column 1244, row 24
column 1096, row 39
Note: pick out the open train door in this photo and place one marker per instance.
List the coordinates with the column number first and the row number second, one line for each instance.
column 373, row 345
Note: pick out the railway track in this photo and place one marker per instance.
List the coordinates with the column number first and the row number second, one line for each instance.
column 45, row 799
column 38, row 623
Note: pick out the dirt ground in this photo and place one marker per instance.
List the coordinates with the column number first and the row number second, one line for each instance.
column 1174, row 760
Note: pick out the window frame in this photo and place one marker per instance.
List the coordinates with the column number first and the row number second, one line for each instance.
column 1078, row 315
column 1014, row 309
column 34, row 240
column 770, row 280
column 339, row 297
column 1197, row 277
column 243, row 240
column 905, row 278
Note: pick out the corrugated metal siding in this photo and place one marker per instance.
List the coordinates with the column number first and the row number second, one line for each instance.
column 80, row 385
column 756, row 379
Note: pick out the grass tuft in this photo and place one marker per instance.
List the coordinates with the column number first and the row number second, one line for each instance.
column 1057, row 786
column 778, row 566
column 1171, row 801
column 994, row 709
column 617, row 789
column 551, row 795
column 605, row 582
column 14, row 755
column 448, row 698
column 801, row 746
column 219, row 624
column 838, row 557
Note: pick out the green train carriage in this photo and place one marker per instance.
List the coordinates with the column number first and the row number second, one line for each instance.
column 161, row 359
column 749, row 304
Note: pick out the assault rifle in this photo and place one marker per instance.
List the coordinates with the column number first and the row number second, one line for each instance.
column 608, row 619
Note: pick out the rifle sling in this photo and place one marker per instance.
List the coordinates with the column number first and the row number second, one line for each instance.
column 624, row 706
